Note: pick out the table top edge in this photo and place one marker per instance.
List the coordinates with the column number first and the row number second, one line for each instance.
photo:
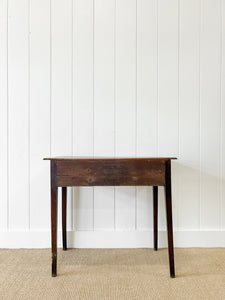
column 108, row 158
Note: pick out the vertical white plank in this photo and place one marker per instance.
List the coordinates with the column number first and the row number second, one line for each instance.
column 189, row 173
column 39, row 113
column 144, row 208
column 104, row 208
column 61, row 25
column 210, row 114
column 146, row 100
column 83, row 77
column 83, row 208
column 61, row 84
column 223, row 115
column 83, row 104
column 3, row 115
column 147, row 78
column 104, row 12
column 18, row 114
column 168, row 77
column 168, row 93
column 125, row 111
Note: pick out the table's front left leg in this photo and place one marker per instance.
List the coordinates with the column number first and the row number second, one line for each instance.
column 64, row 200
column 54, row 206
column 155, row 216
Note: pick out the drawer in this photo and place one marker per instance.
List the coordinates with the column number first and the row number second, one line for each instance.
column 110, row 172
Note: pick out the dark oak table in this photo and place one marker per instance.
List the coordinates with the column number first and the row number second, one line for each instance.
column 87, row 171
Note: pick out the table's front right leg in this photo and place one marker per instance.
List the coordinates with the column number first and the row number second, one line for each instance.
column 54, row 206
column 169, row 218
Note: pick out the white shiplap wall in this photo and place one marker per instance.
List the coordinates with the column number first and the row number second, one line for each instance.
column 114, row 78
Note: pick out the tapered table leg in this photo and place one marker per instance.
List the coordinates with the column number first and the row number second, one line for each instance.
column 155, row 216
column 54, row 206
column 64, row 200
column 169, row 218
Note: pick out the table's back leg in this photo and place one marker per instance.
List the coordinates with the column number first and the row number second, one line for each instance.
column 54, row 206
column 155, row 216
column 64, row 200
column 169, row 218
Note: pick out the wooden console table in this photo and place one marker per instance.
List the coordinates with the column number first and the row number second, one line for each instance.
column 86, row 171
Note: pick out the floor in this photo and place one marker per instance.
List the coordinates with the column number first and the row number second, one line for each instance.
column 113, row 274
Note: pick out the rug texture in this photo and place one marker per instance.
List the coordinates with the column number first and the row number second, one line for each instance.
column 105, row 274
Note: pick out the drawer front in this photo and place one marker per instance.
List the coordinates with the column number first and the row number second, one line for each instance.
column 120, row 172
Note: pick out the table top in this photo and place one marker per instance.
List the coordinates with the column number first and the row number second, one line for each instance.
column 106, row 157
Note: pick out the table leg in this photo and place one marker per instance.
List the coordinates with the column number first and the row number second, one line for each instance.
column 54, row 206
column 169, row 218
column 64, row 200
column 155, row 216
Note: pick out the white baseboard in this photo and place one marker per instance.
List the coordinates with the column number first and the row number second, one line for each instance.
column 111, row 239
